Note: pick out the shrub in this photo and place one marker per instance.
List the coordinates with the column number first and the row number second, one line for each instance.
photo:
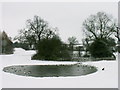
column 99, row 49
column 51, row 49
column 21, row 45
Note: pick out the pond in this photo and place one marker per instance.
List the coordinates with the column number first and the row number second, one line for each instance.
column 50, row 70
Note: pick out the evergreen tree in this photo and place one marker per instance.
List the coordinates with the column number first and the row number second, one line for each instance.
column 6, row 44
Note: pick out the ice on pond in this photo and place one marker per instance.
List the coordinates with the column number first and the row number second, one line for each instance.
column 50, row 70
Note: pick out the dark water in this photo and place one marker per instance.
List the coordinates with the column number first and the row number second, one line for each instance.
column 50, row 70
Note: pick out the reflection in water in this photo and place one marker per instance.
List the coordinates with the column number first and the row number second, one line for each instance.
column 50, row 70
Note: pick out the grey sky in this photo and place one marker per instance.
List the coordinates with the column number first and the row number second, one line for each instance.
column 68, row 17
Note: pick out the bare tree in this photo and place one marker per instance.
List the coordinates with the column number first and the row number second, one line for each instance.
column 36, row 29
column 117, row 33
column 72, row 40
column 39, row 28
column 100, row 25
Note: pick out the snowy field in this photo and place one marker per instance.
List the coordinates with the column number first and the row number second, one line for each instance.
column 100, row 79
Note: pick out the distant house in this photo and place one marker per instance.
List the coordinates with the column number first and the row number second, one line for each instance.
column 77, row 50
column 6, row 45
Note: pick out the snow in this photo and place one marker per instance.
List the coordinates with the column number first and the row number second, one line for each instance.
column 100, row 79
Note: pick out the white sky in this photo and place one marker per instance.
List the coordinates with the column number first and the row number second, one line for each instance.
column 67, row 16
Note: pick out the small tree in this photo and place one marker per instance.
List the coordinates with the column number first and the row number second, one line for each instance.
column 72, row 40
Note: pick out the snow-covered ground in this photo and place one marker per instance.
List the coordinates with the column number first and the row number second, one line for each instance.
column 100, row 79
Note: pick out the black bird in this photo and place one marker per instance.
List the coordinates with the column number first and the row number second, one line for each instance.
column 103, row 68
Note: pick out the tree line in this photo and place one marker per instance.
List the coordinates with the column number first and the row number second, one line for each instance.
column 99, row 29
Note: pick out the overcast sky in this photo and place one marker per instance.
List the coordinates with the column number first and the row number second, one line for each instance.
column 68, row 17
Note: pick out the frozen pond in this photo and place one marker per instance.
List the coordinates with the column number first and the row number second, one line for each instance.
column 50, row 70
column 107, row 78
